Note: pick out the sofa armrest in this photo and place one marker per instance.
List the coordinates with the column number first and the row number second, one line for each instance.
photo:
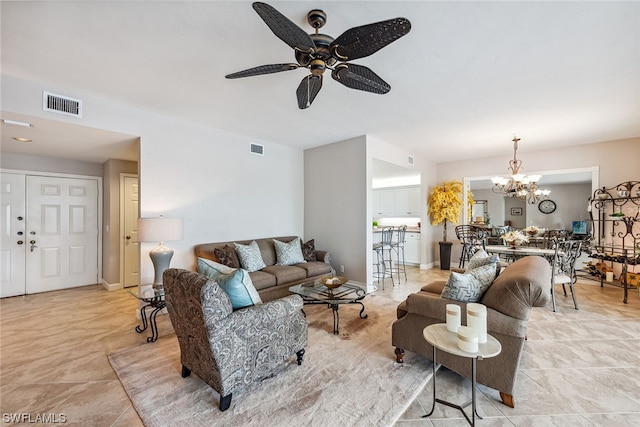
column 433, row 306
column 324, row 256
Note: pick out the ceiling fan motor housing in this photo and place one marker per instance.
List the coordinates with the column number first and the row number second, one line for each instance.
column 317, row 18
column 322, row 42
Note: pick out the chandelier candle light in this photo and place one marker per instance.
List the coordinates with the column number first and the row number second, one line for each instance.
column 519, row 185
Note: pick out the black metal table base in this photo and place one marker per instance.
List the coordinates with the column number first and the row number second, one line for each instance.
column 472, row 402
column 336, row 316
column 151, row 321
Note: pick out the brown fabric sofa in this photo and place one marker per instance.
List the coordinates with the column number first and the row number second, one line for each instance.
column 273, row 281
column 522, row 285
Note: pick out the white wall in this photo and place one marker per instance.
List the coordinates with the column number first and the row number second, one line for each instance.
column 205, row 176
column 49, row 164
column 335, row 208
column 571, row 205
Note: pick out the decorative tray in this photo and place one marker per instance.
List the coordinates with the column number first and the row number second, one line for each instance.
column 333, row 282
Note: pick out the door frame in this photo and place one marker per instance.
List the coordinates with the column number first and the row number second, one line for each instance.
column 121, row 221
column 98, row 180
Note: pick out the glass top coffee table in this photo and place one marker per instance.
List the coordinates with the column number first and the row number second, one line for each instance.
column 351, row 292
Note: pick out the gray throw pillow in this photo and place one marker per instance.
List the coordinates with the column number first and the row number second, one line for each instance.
column 481, row 258
column 471, row 285
column 250, row 256
column 288, row 253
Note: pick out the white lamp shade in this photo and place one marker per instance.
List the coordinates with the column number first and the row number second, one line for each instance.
column 159, row 229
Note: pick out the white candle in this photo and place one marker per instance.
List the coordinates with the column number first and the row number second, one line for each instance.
column 609, row 276
column 477, row 319
column 453, row 317
column 467, row 339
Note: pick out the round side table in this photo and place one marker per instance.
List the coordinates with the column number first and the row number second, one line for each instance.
column 440, row 338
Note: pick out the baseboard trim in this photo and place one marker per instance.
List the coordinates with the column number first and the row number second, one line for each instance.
column 428, row 266
column 111, row 286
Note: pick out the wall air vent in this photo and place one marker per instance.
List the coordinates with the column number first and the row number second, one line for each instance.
column 257, row 149
column 410, row 160
column 61, row 104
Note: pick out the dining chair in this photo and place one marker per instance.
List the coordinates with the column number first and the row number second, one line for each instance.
column 471, row 238
column 554, row 235
column 563, row 271
column 384, row 247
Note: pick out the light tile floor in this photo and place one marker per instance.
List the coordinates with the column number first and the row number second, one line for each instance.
column 579, row 367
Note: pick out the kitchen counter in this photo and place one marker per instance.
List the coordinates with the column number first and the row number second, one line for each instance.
column 409, row 229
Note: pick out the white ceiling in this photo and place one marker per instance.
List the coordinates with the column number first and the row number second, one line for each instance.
column 469, row 75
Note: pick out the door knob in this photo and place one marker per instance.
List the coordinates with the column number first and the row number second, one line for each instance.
column 128, row 237
column 20, row 233
column 33, row 233
column 33, row 245
column 20, row 242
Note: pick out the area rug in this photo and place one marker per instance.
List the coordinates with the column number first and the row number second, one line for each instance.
column 349, row 379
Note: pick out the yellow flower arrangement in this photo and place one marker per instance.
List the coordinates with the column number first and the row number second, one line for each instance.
column 445, row 204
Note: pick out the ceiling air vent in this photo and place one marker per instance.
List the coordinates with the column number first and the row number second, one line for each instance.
column 61, row 104
column 257, row 149
column 410, row 160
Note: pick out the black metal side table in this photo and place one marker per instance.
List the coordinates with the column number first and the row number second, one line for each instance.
column 157, row 303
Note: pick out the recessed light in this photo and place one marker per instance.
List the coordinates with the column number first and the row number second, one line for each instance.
column 22, row 139
column 17, row 123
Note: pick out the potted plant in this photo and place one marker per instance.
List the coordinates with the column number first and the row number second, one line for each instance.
column 445, row 205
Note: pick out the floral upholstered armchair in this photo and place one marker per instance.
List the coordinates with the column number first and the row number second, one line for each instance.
column 230, row 349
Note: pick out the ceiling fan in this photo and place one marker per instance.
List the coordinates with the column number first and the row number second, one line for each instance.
column 318, row 52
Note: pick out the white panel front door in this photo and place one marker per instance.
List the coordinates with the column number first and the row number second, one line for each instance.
column 12, row 252
column 130, row 246
column 61, row 233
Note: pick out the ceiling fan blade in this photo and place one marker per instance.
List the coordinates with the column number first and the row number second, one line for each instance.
column 307, row 90
column 262, row 69
column 283, row 28
column 359, row 77
column 365, row 40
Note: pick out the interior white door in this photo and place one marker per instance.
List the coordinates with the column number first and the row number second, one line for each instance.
column 61, row 233
column 12, row 218
column 129, row 232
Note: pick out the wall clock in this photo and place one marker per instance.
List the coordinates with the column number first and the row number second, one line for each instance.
column 547, row 206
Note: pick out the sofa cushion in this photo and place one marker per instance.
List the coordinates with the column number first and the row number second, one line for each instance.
column 262, row 280
column 309, row 250
column 470, row 286
column 227, row 255
column 235, row 282
column 525, row 283
column 286, row 273
column 315, row 268
column 288, row 253
column 250, row 257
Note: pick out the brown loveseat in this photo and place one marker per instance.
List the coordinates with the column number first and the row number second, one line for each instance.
column 273, row 281
column 519, row 287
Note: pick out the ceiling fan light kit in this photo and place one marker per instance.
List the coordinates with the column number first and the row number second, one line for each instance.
column 319, row 52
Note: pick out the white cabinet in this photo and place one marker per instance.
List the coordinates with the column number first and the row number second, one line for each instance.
column 397, row 202
column 412, row 248
column 383, row 203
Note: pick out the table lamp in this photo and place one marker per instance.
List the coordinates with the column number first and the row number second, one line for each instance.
column 159, row 230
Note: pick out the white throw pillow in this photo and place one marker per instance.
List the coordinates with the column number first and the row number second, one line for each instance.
column 471, row 285
column 288, row 253
column 250, row 256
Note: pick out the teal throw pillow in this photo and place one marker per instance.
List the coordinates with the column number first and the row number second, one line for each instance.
column 250, row 256
column 471, row 285
column 288, row 253
column 236, row 283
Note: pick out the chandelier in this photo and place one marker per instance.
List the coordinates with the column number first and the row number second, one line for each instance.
column 518, row 185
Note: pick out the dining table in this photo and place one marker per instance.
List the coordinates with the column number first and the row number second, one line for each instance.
column 520, row 251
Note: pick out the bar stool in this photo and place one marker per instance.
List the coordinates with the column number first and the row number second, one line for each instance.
column 398, row 246
column 382, row 271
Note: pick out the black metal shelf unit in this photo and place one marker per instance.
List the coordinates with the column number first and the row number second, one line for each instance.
column 615, row 216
